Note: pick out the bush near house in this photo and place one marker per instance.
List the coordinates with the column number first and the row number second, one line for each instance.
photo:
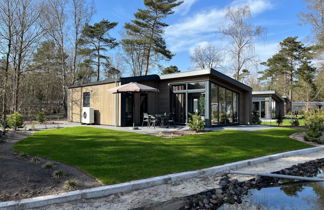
column 15, row 121
column 314, row 123
column 196, row 123
column 256, row 118
column 279, row 118
column 40, row 117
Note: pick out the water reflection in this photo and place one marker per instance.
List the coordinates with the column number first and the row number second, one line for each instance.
column 293, row 196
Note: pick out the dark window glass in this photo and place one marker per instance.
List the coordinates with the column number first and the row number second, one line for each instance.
column 178, row 87
column 196, row 85
column 214, row 104
column 222, row 106
column 235, row 107
column 86, row 99
column 229, row 106
column 262, row 109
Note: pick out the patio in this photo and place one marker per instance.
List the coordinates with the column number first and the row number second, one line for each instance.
column 145, row 129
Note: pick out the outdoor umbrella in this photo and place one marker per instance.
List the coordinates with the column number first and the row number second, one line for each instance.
column 133, row 87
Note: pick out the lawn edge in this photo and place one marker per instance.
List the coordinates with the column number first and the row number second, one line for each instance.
column 125, row 187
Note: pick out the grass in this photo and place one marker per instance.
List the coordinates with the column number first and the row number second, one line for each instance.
column 285, row 122
column 116, row 156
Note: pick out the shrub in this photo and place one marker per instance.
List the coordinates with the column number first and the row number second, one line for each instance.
column 58, row 174
column 70, row 184
column 48, row 165
column 256, row 118
column 294, row 122
column 196, row 123
column 40, row 117
column 279, row 118
column 35, row 159
column 21, row 154
column 314, row 123
column 15, row 120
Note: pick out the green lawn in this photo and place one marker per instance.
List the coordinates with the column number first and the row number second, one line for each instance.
column 285, row 122
column 115, row 156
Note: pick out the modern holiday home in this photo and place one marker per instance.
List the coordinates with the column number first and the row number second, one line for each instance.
column 268, row 104
column 219, row 99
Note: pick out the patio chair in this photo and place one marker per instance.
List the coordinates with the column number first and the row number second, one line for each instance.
column 171, row 119
column 146, row 119
column 153, row 121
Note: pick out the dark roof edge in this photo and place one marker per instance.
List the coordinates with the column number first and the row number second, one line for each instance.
column 123, row 80
column 230, row 80
column 94, row 83
column 152, row 77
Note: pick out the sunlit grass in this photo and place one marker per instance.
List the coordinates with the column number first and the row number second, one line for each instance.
column 116, row 156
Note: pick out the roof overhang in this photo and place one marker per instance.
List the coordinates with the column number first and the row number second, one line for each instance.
column 271, row 93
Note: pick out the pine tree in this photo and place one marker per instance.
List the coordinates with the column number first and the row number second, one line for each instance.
column 95, row 40
column 170, row 70
column 286, row 64
column 146, row 30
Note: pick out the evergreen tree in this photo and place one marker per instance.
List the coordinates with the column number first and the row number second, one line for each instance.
column 285, row 66
column 146, row 30
column 94, row 41
column 170, row 70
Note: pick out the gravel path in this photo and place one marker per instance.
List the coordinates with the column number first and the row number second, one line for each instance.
column 22, row 178
column 162, row 193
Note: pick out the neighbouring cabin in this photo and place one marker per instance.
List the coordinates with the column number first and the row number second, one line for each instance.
column 302, row 106
column 219, row 99
column 268, row 104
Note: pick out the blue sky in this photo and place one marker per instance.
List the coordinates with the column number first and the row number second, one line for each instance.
column 196, row 22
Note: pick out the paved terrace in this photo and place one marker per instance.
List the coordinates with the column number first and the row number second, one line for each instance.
column 145, row 129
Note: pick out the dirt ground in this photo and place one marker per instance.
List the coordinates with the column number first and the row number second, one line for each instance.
column 20, row 177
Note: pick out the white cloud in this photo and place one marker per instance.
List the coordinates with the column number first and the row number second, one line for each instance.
column 203, row 26
column 185, row 7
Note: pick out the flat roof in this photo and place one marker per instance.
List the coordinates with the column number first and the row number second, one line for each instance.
column 156, row 77
column 201, row 72
column 321, row 103
column 267, row 92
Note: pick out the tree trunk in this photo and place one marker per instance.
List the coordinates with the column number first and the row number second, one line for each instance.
column 5, row 86
column 98, row 64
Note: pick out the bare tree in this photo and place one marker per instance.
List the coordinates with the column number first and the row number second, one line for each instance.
column 315, row 17
column 134, row 51
column 28, row 33
column 55, row 24
column 7, row 33
column 242, row 35
column 205, row 57
column 82, row 13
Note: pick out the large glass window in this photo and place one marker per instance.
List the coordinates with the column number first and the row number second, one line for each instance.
column 229, row 106
column 224, row 106
column 262, row 109
column 86, row 99
column 214, row 104
column 178, row 87
column 235, row 107
column 178, row 107
column 196, row 85
column 274, row 110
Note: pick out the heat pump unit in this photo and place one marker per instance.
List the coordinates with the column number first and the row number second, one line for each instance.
column 87, row 115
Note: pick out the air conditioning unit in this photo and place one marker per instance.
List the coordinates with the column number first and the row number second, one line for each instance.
column 87, row 115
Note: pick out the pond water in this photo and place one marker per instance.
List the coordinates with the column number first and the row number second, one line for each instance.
column 293, row 196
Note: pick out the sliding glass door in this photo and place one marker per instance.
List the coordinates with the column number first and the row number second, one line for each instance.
column 187, row 99
column 224, row 105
